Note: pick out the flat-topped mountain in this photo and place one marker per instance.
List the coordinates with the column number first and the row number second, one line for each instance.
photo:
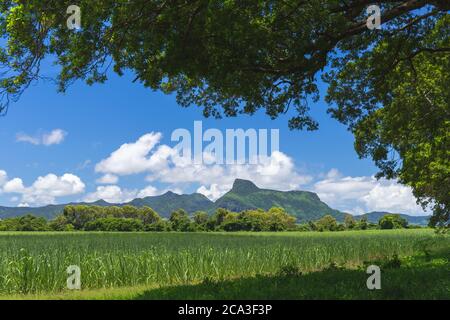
column 304, row 205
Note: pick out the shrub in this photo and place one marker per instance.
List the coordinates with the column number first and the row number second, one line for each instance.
column 327, row 223
column 392, row 221
column 115, row 224
column 25, row 223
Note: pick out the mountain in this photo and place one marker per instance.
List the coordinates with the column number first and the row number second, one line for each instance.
column 167, row 203
column 163, row 204
column 375, row 216
column 302, row 204
column 48, row 212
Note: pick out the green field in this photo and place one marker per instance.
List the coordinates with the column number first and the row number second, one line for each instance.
column 291, row 265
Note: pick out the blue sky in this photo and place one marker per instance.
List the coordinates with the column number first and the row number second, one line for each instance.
column 52, row 144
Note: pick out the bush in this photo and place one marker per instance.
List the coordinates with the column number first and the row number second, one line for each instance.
column 159, row 226
column 180, row 221
column 25, row 223
column 79, row 216
column 327, row 223
column 392, row 221
column 115, row 224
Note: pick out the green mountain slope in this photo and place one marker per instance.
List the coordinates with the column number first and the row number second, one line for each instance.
column 302, row 204
column 167, row 203
column 48, row 212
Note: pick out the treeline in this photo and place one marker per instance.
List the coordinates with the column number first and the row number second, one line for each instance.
column 329, row 223
column 132, row 219
column 129, row 219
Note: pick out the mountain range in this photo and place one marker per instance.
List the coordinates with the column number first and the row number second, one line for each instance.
column 244, row 195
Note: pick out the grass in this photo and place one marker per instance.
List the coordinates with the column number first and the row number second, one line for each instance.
column 228, row 266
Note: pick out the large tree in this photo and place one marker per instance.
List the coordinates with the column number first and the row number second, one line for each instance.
column 389, row 86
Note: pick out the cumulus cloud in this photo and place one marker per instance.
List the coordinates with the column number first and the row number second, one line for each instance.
column 365, row 194
column 115, row 194
column 133, row 158
column 23, row 205
column 111, row 194
column 3, row 177
column 214, row 192
column 164, row 164
column 148, row 191
column 108, row 179
column 45, row 189
column 56, row 136
column 14, row 186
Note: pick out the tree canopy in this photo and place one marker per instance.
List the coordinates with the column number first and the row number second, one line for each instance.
column 389, row 86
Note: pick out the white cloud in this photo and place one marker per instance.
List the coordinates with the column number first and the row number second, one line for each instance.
column 56, row 136
column 14, row 186
column 22, row 137
column 115, row 194
column 214, row 192
column 162, row 163
column 108, row 179
column 365, row 194
column 111, row 194
column 45, row 189
column 3, row 177
column 133, row 158
column 149, row 191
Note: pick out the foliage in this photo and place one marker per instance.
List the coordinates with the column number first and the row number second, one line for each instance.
column 392, row 221
column 395, row 100
column 180, row 221
column 389, row 86
column 327, row 223
column 25, row 223
column 349, row 222
column 126, row 218
column 115, row 224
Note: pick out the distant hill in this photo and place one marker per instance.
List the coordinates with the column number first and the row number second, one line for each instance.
column 167, row 203
column 48, row 212
column 244, row 195
column 375, row 216
column 302, row 204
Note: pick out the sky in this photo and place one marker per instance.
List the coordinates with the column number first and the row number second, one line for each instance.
column 112, row 141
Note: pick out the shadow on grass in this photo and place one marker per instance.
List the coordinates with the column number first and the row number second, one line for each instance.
column 430, row 280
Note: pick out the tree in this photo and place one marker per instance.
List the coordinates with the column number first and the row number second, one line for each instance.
column 180, row 221
column 201, row 219
column 392, row 221
column 327, row 223
column 349, row 222
column 159, row 226
column 389, row 86
column 280, row 220
column 115, row 224
column 24, row 223
column 217, row 218
column 362, row 224
column 60, row 223
column 149, row 216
